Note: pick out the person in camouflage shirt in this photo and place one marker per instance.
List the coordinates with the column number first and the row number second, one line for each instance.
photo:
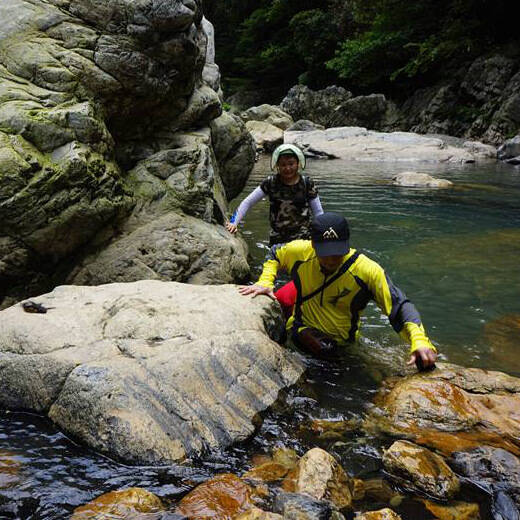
column 292, row 198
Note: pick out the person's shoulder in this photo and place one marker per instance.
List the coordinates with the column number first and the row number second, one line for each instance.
column 303, row 248
column 267, row 183
column 364, row 265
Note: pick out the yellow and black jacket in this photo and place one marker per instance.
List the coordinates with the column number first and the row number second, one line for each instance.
column 333, row 304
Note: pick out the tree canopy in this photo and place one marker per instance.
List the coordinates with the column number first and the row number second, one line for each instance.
column 378, row 45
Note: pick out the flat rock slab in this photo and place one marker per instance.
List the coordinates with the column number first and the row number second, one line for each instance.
column 359, row 144
column 146, row 372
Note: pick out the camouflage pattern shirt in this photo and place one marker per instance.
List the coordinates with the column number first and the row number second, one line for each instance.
column 289, row 213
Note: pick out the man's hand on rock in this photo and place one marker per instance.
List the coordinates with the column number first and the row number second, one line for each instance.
column 424, row 358
column 255, row 290
column 232, row 228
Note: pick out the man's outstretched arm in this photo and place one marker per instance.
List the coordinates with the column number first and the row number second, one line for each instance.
column 404, row 318
column 280, row 257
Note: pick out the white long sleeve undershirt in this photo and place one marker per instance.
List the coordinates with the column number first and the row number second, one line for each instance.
column 258, row 194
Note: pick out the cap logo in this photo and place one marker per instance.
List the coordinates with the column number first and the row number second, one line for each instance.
column 330, row 234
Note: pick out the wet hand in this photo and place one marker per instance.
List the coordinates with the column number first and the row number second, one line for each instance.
column 424, row 358
column 255, row 290
column 232, row 228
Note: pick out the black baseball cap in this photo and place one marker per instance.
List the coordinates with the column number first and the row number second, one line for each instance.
column 330, row 234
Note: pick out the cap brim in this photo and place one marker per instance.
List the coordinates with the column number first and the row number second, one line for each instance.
column 331, row 247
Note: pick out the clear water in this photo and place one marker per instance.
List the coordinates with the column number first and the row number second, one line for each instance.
column 454, row 252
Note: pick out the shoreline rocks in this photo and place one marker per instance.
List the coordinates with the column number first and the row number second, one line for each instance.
column 451, row 409
column 360, row 144
column 147, row 372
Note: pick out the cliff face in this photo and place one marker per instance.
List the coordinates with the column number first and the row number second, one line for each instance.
column 478, row 101
column 105, row 112
column 481, row 101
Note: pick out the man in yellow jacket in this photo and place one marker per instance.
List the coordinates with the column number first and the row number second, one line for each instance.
column 334, row 284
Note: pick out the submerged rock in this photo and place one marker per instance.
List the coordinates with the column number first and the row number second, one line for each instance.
column 119, row 504
column 9, row 469
column 319, row 475
column 419, row 468
column 258, row 514
column 382, row 514
column 453, row 510
column 415, row 179
column 451, row 409
column 301, row 507
column 146, row 372
column 219, row 498
column 502, row 337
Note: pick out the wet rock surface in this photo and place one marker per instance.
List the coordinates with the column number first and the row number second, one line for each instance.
column 119, row 505
column 490, row 468
column 419, row 468
column 301, row 506
column 452, row 409
column 382, row 514
column 319, row 475
column 10, row 467
column 453, row 510
column 220, row 498
column 146, row 372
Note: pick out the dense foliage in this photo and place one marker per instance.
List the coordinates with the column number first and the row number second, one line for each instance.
column 377, row 45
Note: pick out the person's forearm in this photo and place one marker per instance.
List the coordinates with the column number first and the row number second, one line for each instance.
column 416, row 336
column 315, row 205
column 269, row 272
column 255, row 196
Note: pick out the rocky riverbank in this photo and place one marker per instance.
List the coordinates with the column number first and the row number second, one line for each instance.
column 111, row 135
column 431, row 466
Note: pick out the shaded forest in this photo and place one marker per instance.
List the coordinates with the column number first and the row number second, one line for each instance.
column 388, row 46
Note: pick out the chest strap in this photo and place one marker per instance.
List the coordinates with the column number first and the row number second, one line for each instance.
column 297, row 282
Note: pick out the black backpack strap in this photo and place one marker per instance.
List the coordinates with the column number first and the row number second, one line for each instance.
column 342, row 270
column 297, row 283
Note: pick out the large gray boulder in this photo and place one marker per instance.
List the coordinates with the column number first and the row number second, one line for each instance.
column 303, row 103
column 235, row 150
column 480, row 101
column 335, row 107
column 105, row 109
column 360, row 144
column 509, row 149
column 270, row 114
column 148, row 372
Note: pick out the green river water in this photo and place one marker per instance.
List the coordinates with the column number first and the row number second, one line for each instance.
column 454, row 252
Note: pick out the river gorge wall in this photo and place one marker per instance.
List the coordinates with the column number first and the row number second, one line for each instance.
column 116, row 162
